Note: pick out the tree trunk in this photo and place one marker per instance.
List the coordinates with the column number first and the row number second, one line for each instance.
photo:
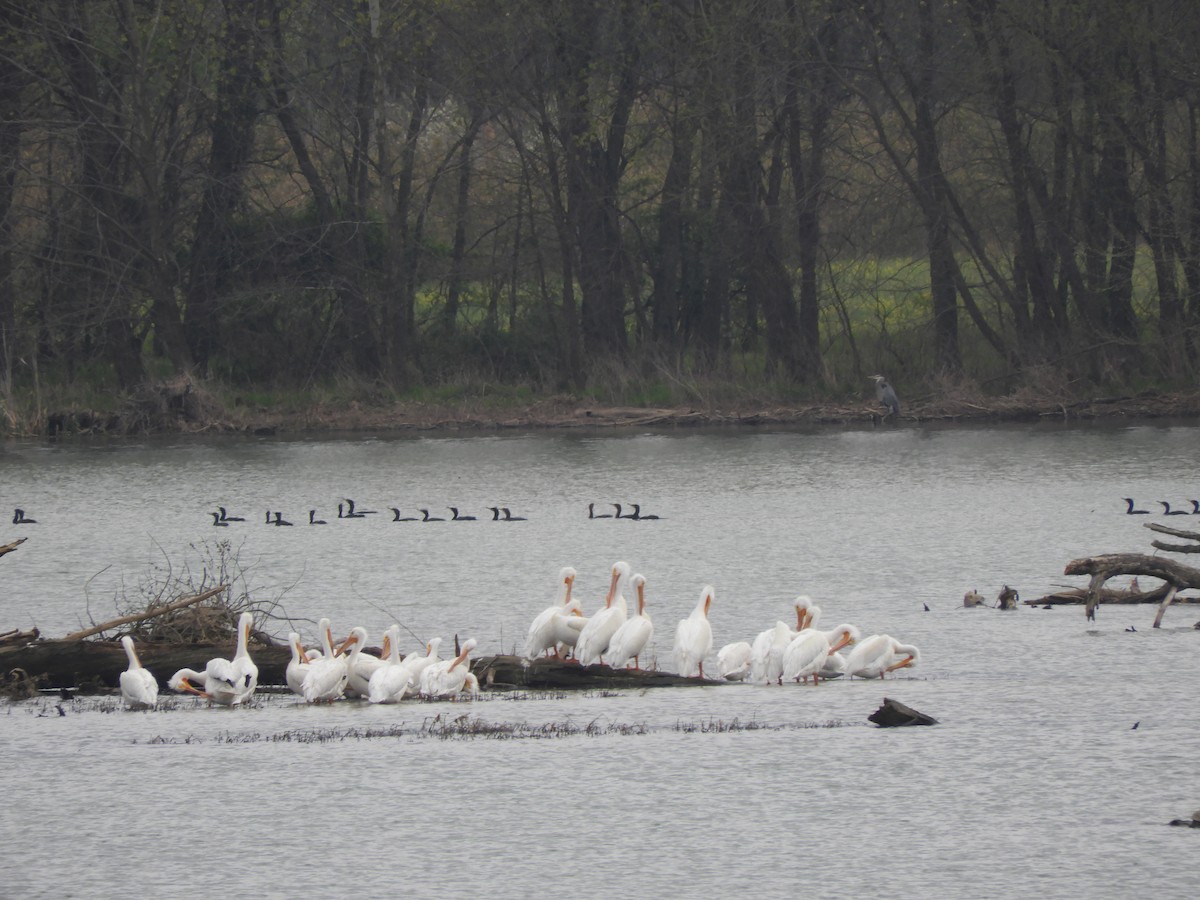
column 462, row 208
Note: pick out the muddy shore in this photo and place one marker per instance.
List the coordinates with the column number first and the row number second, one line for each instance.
column 559, row 413
column 184, row 407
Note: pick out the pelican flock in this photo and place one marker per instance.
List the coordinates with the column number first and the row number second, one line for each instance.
column 562, row 631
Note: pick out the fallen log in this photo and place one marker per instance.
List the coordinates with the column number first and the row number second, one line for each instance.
column 142, row 616
column 16, row 636
column 1114, row 596
column 74, row 664
column 1101, row 568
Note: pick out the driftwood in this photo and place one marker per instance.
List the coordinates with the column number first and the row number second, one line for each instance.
column 142, row 616
column 16, row 636
column 1175, row 532
column 1101, row 568
column 894, row 714
column 1106, row 595
column 9, row 548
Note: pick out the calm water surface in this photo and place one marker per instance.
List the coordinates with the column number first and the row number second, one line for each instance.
column 1034, row 782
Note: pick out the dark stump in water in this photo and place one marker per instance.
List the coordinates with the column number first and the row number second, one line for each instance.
column 893, row 714
column 513, row 672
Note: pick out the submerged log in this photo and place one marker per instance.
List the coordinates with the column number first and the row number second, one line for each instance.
column 509, row 672
column 894, row 714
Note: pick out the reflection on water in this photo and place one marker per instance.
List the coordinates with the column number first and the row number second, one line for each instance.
column 1033, row 781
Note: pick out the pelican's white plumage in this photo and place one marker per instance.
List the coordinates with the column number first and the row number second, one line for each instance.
column 766, row 656
column 297, row 667
column 693, row 637
column 879, row 654
column 326, row 678
column 139, row 687
column 358, row 679
column 416, row 665
column 391, row 681
column 808, row 652
column 223, row 681
column 733, row 661
column 631, row 638
column 245, row 671
column 597, row 633
column 546, row 632
column 450, row 676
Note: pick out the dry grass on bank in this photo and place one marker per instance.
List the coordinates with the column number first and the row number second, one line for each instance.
column 185, row 405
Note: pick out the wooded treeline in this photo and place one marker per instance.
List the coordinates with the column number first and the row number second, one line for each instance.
column 284, row 190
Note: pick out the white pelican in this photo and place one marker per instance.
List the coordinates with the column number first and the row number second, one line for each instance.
column 766, row 653
column 733, row 661
column 364, row 666
column 246, row 671
column 326, row 678
column 631, row 638
column 835, row 666
column 596, row 634
column 297, row 667
column 450, row 676
column 391, row 681
column 226, row 682
column 809, row 650
column 693, row 637
column 138, row 686
column 416, row 665
column 879, row 654
column 545, row 633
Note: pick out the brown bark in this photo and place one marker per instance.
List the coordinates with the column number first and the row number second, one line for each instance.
column 1101, row 568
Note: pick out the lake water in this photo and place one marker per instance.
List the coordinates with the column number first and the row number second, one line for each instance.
column 1035, row 780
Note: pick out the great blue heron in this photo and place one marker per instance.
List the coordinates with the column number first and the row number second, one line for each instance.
column 886, row 395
